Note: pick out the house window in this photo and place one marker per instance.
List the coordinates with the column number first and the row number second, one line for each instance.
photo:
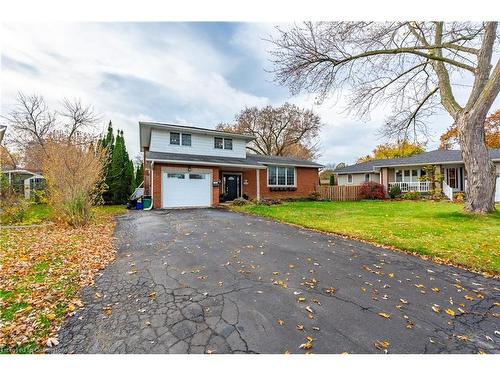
column 176, row 175
column 452, row 178
column 367, row 177
column 186, row 139
column 228, row 144
column 280, row 176
column 196, row 176
column 175, row 138
column 399, row 176
column 349, row 178
column 271, row 176
column 223, row 143
column 218, row 143
column 290, row 176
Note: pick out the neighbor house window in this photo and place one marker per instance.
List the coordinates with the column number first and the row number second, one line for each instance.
column 349, row 178
column 175, row 138
column 367, row 177
column 280, row 176
column 223, row 143
column 186, row 139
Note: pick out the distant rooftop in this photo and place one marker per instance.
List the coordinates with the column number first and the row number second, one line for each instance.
column 425, row 158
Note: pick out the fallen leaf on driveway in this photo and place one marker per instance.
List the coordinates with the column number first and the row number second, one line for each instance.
column 382, row 345
column 52, row 341
column 330, row 291
column 436, row 309
column 301, row 299
column 306, row 346
column 308, row 308
column 403, row 301
column 469, row 298
column 108, row 310
column 300, row 327
column 450, row 312
column 435, row 290
column 280, row 322
column 385, row 315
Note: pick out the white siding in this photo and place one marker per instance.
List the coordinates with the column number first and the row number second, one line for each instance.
column 200, row 145
column 357, row 178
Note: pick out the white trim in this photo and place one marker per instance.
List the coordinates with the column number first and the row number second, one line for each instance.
column 207, row 163
column 286, row 175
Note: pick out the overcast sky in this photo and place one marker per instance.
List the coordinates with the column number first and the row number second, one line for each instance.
column 187, row 73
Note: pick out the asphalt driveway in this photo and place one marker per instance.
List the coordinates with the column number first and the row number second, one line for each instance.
column 214, row 281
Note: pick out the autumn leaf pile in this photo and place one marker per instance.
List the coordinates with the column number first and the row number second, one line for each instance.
column 41, row 271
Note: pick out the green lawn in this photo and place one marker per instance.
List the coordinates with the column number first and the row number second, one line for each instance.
column 435, row 229
column 43, row 268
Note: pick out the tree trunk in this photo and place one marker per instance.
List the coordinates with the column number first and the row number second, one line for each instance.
column 480, row 187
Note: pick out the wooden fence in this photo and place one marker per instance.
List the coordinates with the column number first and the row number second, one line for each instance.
column 340, row 193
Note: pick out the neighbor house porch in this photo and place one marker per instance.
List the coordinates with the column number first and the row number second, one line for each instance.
column 412, row 178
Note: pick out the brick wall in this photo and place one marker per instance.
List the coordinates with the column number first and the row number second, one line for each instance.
column 307, row 180
column 157, row 181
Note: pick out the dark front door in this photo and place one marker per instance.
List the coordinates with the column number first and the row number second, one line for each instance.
column 231, row 186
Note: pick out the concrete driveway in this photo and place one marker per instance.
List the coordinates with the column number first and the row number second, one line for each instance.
column 214, row 281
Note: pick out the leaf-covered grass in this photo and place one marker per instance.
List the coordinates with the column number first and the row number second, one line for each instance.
column 435, row 229
column 42, row 269
column 38, row 213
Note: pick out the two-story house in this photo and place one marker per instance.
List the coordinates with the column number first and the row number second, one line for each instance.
column 186, row 166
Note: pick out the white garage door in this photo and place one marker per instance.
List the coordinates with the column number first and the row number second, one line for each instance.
column 181, row 189
column 497, row 191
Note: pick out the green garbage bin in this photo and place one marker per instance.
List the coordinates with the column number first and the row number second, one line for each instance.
column 146, row 201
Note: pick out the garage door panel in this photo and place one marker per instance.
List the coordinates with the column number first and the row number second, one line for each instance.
column 181, row 189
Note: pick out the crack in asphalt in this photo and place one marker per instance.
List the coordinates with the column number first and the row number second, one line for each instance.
column 206, row 281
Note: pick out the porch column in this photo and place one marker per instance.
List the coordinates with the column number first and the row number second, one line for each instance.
column 257, row 181
column 384, row 177
column 437, row 184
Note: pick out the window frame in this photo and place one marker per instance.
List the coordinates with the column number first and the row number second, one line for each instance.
column 276, row 174
column 223, row 144
column 190, row 139
column 178, row 138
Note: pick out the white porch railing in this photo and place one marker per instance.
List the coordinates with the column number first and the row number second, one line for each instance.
column 420, row 186
column 448, row 191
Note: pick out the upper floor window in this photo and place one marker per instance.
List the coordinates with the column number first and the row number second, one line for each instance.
column 180, row 139
column 228, row 143
column 223, row 143
column 175, row 138
column 349, row 178
column 186, row 139
column 280, row 176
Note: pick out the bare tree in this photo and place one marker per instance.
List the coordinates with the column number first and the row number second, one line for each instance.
column 77, row 117
column 284, row 131
column 30, row 121
column 412, row 66
column 32, row 124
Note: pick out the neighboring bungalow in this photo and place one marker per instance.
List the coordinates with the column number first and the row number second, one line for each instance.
column 407, row 172
column 187, row 166
column 24, row 181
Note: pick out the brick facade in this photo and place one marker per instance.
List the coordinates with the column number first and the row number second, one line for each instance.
column 307, row 180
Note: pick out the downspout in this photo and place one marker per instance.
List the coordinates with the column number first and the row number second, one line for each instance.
column 151, row 184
